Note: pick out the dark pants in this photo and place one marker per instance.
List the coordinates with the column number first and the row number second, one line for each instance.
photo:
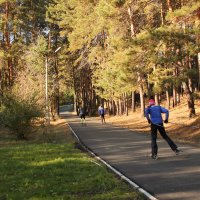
column 82, row 116
column 102, row 118
column 161, row 129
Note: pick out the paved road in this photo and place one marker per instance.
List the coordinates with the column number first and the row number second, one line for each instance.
column 168, row 178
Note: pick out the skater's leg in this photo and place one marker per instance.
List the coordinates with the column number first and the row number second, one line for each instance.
column 103, row 116
column 154, row 146
column 84, row 120
column 101, row 119
column 167, row 138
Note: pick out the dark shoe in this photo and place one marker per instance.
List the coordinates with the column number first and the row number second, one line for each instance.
column 154, row 157
column 177, row 151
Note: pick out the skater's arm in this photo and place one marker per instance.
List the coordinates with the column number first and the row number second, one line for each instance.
column 147, row 115
column 164, row 110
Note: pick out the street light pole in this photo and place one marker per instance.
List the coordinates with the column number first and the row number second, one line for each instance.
column 57, row 95
column 47, row 113
column 57, row 49
column 46, row 92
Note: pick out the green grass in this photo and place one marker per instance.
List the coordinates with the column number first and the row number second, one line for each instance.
column 57, row 171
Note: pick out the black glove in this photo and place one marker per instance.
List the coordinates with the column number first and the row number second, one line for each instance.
column 149, row 121
column 166, row 121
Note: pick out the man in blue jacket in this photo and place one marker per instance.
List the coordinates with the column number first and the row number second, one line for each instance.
column 153, row 114
column 101, row 112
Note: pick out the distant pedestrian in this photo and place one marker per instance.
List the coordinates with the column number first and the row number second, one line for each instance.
column 82, row 116
column 101, row 112
column 153, row 113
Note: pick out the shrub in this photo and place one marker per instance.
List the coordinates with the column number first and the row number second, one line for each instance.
column 18, row 116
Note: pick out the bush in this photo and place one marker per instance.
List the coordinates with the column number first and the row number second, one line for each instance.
column 18, row 116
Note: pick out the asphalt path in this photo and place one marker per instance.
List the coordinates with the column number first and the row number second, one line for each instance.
column 170, row 177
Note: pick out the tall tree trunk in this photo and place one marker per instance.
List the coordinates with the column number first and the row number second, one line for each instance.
column 156, row 98
column 120, row 106
column 168, row 99
column 142, row 104
column 175, row 89
column 133, row 101
column 199, row 69
column 75, row 103
column 174, row 97
column 94, row 99
column 156, row 94
column 162, row 14
column 126, row 103
column 75, row 91
column 169, row 5
column 108, row 106
column 1, row 86
column 130, row 13
column 7, row 44
column 190, row 101
column 179, row 96
column 113, row 107
column 117, row 106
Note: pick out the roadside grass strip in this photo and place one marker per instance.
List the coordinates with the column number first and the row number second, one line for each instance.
column 58, row 171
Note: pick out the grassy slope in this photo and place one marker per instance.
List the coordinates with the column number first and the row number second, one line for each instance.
column 49, row 167
column 182, row 128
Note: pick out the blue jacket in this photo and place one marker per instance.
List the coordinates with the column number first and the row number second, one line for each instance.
column 154, row 113
column 81, row 111
column 101, row 111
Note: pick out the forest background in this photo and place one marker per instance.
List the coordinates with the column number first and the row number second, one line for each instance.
column 90, row 52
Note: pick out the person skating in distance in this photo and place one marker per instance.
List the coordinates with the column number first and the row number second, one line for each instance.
column 153, row 113
column 82, row 116
column 101, row 112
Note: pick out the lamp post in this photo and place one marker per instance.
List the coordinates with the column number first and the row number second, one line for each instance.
column 47, row 114
column 57, row 93
column 57, row 49
column 199, row 67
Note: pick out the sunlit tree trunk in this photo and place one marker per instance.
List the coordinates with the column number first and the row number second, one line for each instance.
column 7, row 44
column 190, row 101
column 113, row 107
column 126, row 103
column 162, row 14
column 130, row 13
column 117, row 107
column 168, row 99
column 133, row 101
column 120, row 107
column 156, row 98
column 199, row 70
column 142, row 104
column 169, row 5
column 174, row 90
